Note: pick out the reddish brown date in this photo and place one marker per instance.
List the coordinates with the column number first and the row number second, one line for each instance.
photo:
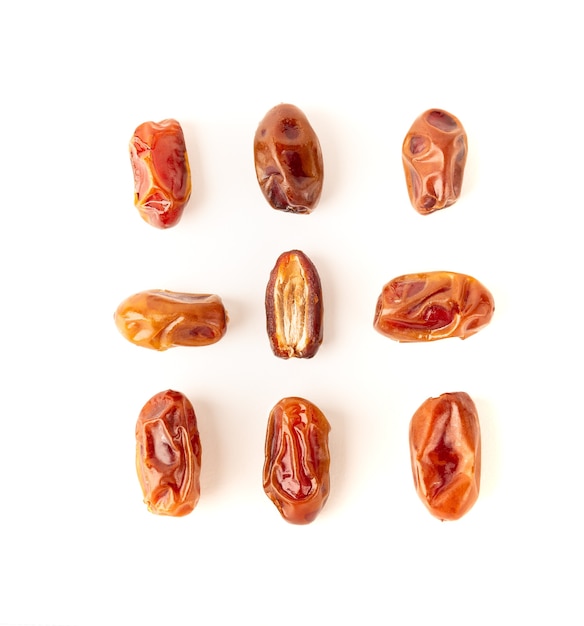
column 159, row 319
column 288, row 160
column 433, row 305
column 168, row 454
column 445, row 449
column 434, row 156
column 296, row 470
column 162, row 178
column 294, row 309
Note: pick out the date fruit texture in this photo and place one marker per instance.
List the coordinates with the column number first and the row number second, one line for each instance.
column 445, row 449
column 288, row 160
column 168, row 454
column 434, row 156
column 433, row 305
column 159, row 319
column 294, row 308
column 296, row 469
column 162, row 177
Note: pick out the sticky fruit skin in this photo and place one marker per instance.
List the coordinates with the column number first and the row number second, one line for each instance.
column 294, row 307
column 297, row 460
column 288, row 160
column 434, row 157
column 159, row 319
column 168, row 454
column 433, row 305
column 162, row 176
column 445, row 450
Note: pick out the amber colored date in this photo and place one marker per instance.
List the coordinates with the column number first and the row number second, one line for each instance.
column 159, row 319
column 168, row 454
column 445, row 449
column 294, row 309
column 296, row 469
column 288, row 160
column 433, row 305
column 434, row 155
column 162, row 178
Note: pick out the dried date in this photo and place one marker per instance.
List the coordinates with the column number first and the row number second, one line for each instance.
column 434, row 156
column 433, row 305
column 288, row 160
column 445, row 449
column 294, row 308
column 159, row 319
column 297, row 460
column 162, row 177
column 168, row 454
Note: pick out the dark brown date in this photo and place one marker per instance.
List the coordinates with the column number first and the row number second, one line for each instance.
column 294, row 309
column 296, row 468
column 162, row 177
column 168, row 454
column 434, row 156
column 445, row 449
column 433, row 305
column 288, row 160
column 159, row 319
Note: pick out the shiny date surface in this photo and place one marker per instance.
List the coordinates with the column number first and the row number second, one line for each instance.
column 294, row 308
column 159, row 319
column 162, row 177
column 434, row 156
column 433, row 305
column 297, row 459
column 445, row 450
column 168, row 454
column 288, row 160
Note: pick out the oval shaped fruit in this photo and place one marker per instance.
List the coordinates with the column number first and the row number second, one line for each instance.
column 168, row 454
column 288, row 160
column 434, row 156
column 162, row 177
column 296, row 469
column 433, row 305
column 294, row 308
column 445, row 449
column 159, row 319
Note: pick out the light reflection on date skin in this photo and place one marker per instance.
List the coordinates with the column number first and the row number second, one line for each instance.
column 168, row 454
column 297, row 460
column 434, row 156
column 162, row 177
column 433, row 305
column 445, row 450
column 288, row 160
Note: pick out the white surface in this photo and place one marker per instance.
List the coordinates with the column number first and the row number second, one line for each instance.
column 77, row 546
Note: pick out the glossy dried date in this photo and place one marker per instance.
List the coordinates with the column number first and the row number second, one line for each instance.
column 296, row 469
column 434, row 156
column 288, row 160
column 159, row 319
column 162, row 178
column 445, row 449
column 433, row 305
column 168, row 454
column 294, row 309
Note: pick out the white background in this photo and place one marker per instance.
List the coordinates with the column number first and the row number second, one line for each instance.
column 77, row 545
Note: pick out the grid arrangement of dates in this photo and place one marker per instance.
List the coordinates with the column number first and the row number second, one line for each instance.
column 445, row 442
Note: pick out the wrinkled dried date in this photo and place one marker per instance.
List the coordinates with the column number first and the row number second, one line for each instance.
column 162, row 178
column 160, row 319
column 288, row 160
column 294, row 308
column 168, row 454
column 433, row 305
column 445, row 449
column 434, row 156
column 297, row 459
